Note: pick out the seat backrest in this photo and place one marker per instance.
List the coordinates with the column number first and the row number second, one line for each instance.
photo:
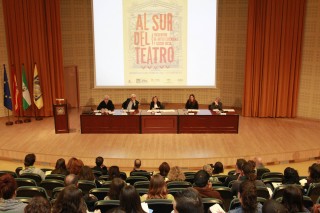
column 160, row 205
column 86, row 185
column 269, row 181
column 145, row 174
column 178, row 184
column 261, row 171
column 25, row 182
column 106, row 184
column 56, row 191
column 231, row 172
column 142, row 191
column 271, row 175
column 278, row 191
column 307, row 202
column 314, row 191
column 13, row 174
column 132, row 179
column 104, row 177
column 100, row 193
column 226, row 194
column 31, row 191
column 33, row 176
column 24, row 199
column 221, row 178
column 262, row 191
column 190, row 179
column 173, row 191
column 234, row 203
column 208, row 202
column 51, row 184
column 46, row 170
column 142, row 184
column 106, row 205
column 56, row 177
column 123, row 176
column 96, row 173
column 189, row 173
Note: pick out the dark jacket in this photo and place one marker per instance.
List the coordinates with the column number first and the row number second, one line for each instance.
column 158, row 104
column 126, row 103
column 192, row 105
column 108, row 106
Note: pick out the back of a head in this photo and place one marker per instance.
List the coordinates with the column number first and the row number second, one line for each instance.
column 74, row 165
column 38, row 205
column 292, row 199
column 8, row 186
column 248, row 171
column 176, row 174
column 71, row 179
column 273, row 206
column 314, row 172
column 130, row 200
column 240, row 163
column 157, row 187
column 137, row 163
column 86, row 173
column 115, row 188
column 188, row 201
column 290, row 176
column 114, row 172
column 201, row 178
column 207, row 168
column 61, row 164
column 248, row 196
column 29, row 159
column 253, row 163
column 218, row 168
column 99, row 161
column 69, row 200
column 164, row 169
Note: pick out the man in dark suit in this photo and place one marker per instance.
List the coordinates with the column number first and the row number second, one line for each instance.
column 137, row 165
column 100, row 166
column 131, row 103
column 106, row 104
column 217, row 104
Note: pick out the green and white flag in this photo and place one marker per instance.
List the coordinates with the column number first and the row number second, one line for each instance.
column 26, row 100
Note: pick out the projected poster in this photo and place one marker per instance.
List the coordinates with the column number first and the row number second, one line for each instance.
column 155, row 42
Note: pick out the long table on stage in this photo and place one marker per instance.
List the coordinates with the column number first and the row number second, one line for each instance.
column 161, row 121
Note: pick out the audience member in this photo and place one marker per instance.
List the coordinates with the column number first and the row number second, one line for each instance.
column 131, row 103
column 157, row 189
column 164, row 169
column 100, row 166
column 114, row 172
column 314, row 175
column 136, row 166
column 238, row 167
column 60, row 167
column 208, row 169
column 175, row 174
column 8, row 203
column 71, row 179
column 29, row 168
column 247, row 173
column 290, row 176
column 253, row 163
column 187, row 201
column 216, row 104
column 203, row 185
column 259, row 163
column 70, row 200
column 292, row 199
column 273, row 206
column 217, row 168
column 155, row 103
column 74, row 165
column 130, row 200
column 115, row 188
column 38, row 205
column 248, row 199
column 106, row 103
column 192, row 103
column 87, row 174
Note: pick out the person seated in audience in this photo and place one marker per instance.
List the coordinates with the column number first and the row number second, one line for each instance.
column 155, row 103
column 131, row 103
column 238, row 167
column 247, row 173
column 188, row 201
column 100, row 166
column 130, row 200
column 71, row 179
column 253, row 163
column 38, row 205
column 8, row 203
column 29, row 168
column 192, row 103
column 60, row 167
column 314, row 175
column 292, row 199
column 204, row 186
column 164, row 169
column 87, row 174
column 114, row 172
column 217, row 168
column 70, row 200
column 106, row 103
column 290, row 176
column 248, row 198
column 175, row 174
column 258, row 161
column 216, row 104
column 136, row 166
column 157, row 189
column 273, row 206
column 208, row 169
column 74, row 165
column 116, row 186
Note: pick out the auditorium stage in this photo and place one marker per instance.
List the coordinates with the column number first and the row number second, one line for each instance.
column 275, row 140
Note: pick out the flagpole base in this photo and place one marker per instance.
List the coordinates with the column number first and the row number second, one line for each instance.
column 18, row 122
column 39, row 118
column 27, row 120
column 9, row 123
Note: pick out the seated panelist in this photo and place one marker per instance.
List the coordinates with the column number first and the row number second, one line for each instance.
column 217, row 104
column 192, row 103
column 155, row 103
column 106, row 104
column 131, row 103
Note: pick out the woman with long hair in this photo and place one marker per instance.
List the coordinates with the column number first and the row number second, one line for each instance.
column 192, row 103
column 175, row 174
column 74, row 165
column 164, row 169
column 157, row 189
column 116, row 186
column 60, row 167
column 114, row 172
column 130, row 200
column 292, row 199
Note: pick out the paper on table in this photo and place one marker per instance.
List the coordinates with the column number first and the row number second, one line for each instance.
column 228, row 110
column 96, row 111
column 193, row 110
column 215, row 110
column 161, row 110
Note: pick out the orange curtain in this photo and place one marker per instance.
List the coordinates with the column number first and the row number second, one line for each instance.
column 273, row 57
column 33, row 35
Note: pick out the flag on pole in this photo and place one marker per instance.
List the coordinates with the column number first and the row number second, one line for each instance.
column 26, row 100
column 15, row 91
column 7, row 102
column 37, row 94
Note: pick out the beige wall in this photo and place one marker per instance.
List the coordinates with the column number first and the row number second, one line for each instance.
column 77, row 38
